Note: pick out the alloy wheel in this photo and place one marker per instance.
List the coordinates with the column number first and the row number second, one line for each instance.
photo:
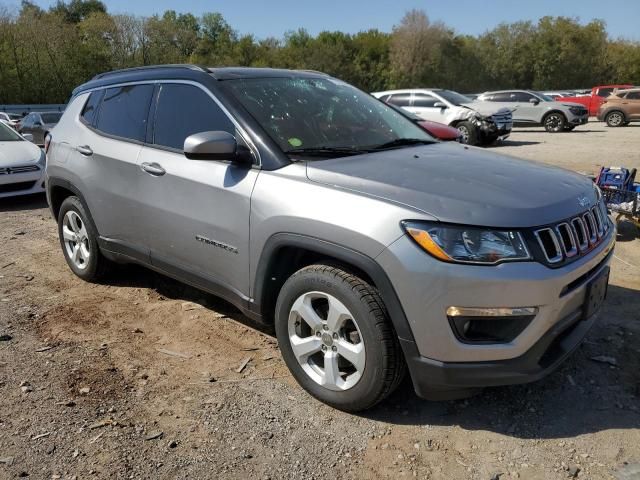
column 464, row 131
column 76, row 240
column 553, row 122
column 615, row 119
column 326, row 341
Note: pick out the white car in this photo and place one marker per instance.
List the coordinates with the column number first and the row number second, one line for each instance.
column 21, row 164
column 479, row 123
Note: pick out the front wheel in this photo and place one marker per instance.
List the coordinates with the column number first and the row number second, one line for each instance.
column 336, row 338
column 554, row 122
column 614, row 119
column 468, row 132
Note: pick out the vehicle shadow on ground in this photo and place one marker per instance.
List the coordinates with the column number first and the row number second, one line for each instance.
column 135, row 276
column 514, row 143
column 582, row 396
column 25, row 202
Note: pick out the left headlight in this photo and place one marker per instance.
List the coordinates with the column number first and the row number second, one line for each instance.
column 42, row 161
column 461, row 244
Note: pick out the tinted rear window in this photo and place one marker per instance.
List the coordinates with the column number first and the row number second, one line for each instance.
column 184, row 110
column 51, row 117
column 401, row 99
column 124, row 111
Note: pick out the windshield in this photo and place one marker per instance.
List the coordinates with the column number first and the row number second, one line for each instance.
column 8, row 134
column 322, row 113
column 51, row 117
column 454, row 97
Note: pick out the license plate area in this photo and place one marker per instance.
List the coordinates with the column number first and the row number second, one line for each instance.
column 596, row 293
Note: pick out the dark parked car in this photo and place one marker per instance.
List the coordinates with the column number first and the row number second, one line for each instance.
column 39, row 124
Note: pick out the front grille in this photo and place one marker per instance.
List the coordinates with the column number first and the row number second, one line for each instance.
column 22, row 169
column 575, row 236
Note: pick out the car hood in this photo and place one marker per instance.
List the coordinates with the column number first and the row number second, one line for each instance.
column 18, row 153
column 459, row 184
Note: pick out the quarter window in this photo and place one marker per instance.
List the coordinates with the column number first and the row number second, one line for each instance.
column 124, row 111
column 183, row 110
column 91, row 107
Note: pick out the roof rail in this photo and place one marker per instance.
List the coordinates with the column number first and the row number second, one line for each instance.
column 150, row 67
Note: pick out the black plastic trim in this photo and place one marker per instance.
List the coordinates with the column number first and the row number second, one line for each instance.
column 344, row 254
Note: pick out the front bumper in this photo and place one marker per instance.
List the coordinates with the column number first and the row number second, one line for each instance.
column 579, row 119
column 439, row 362
column 21, row 183
column 499, row 130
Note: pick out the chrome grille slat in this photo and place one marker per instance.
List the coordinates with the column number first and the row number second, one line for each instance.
column 575, row 236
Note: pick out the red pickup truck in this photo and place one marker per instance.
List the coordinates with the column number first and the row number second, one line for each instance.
column 593, row 101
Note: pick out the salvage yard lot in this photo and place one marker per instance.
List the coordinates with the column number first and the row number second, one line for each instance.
column 142, row 377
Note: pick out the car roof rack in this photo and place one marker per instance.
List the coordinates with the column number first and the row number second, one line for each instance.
column 150, row 67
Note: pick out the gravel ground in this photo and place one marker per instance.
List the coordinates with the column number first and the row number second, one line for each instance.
column 138, row 377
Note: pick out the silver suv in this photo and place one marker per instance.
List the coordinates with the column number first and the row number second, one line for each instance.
column 535, row 108
column 313, row 207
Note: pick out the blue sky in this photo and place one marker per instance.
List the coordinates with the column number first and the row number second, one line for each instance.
column 266, row 18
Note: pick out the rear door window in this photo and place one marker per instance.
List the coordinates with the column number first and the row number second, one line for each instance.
column 500, row 97
column 424, row 100
column 400, row 99
column 183, row 110
column 633, row 96
column 124, row 111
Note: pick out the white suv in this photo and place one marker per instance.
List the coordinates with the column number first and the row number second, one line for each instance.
column 479, row 123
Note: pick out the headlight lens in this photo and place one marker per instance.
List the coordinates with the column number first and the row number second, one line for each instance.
column 460, row 244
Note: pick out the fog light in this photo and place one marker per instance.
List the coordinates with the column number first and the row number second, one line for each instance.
column 489, row 325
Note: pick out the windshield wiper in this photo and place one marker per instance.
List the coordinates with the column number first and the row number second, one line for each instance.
column 326, row 151
column 402, row 142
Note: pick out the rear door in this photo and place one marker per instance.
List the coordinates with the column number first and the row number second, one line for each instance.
column 196, row 212
column 423, row 105
column 632, row 106
column 106, row 152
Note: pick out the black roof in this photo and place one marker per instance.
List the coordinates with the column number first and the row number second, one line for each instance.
column 189, row 72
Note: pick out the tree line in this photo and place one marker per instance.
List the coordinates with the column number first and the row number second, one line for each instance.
column 44, row 54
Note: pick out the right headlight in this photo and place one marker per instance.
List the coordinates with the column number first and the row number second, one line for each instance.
column 461, row 244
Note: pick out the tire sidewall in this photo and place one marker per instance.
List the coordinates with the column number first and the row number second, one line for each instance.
column 472, row 138
column 74, row 204
column 370, row 384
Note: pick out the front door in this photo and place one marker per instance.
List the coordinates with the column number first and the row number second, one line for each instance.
column 423, row 105
column 196, row 212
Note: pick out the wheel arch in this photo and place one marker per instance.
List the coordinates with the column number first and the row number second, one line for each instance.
column 617, row 110
column 286, row 253
column 58, row 189
column 555, row 110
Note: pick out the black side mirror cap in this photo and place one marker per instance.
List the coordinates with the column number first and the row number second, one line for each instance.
column 216, row 145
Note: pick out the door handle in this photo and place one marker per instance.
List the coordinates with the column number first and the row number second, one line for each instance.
column 84, row 150
column 153, row 169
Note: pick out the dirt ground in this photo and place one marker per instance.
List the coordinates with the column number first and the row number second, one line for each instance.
column 138, row 377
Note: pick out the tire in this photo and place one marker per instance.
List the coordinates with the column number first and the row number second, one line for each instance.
column 469, row 133
column 554, row 122
column 615, row 119
column 378, row 365
column 79, row 241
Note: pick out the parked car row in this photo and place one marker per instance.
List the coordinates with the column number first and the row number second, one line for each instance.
column 372, row 249
column 35, row 124
column 21, row 164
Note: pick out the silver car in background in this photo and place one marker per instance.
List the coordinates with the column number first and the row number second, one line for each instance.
column 39, row 124
column 535, row 108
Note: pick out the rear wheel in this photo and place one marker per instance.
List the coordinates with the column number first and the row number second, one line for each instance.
column 554, row 122
column 336, row 338
column 615, row 119
column 468, row 132
column 79, row 241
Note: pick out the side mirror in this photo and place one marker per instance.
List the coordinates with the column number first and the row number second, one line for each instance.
column 28, row 137
column 534, row 101
column 216, row 145
column 439, row 105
